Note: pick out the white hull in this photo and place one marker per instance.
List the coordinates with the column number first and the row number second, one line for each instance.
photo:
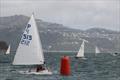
column 43, row 72
column 81, row 58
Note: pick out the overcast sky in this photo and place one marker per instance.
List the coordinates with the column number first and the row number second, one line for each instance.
column 81, row 14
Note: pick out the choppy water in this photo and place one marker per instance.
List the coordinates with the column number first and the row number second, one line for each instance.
column 101, row 67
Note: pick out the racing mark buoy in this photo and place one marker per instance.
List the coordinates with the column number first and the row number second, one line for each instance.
column 65, row 66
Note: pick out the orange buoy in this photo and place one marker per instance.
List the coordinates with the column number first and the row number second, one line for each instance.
column 65, row 66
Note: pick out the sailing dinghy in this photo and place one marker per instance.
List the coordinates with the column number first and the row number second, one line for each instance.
column 80, row 53
column 97, row 50
column 8, row 50
column 29, row 51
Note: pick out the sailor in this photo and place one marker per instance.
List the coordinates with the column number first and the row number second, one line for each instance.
column 40, row 68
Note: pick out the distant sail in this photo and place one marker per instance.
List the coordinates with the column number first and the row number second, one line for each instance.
column 81, row 51
column 29, row 51
column 97, row 50
column 8, row 50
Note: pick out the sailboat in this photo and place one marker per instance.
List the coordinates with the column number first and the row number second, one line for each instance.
column 97, row 50
column 80, row 53
column 29, row 51
column 8, row 50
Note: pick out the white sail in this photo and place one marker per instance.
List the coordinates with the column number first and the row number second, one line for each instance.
column 8, row 50
column 29, row 51
column 97, row 50
column 81, row 51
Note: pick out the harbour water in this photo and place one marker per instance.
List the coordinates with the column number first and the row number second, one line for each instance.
column 100, row 67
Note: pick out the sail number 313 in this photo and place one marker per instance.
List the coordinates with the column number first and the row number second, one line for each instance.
column 26, row 39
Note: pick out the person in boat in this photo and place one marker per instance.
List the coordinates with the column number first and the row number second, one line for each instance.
column 40, row 68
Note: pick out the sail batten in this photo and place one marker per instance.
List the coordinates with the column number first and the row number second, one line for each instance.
column 29, row 51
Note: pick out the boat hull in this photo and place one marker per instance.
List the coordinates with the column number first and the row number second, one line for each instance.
column 81, row 58
column 43, row 72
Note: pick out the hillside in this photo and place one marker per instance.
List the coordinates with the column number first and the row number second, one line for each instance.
column 56, row 37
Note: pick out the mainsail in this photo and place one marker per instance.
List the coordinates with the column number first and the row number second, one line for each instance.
column 8, row 50
column 29, row 51
column 81, row 51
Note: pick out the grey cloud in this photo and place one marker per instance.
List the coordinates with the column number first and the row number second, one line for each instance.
column 73, row 13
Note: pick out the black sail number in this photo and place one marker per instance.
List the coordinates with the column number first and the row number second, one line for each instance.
column 26, row 39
